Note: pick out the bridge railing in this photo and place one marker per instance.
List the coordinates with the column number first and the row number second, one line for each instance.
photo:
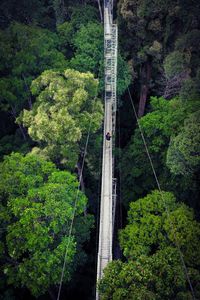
column 108, row 188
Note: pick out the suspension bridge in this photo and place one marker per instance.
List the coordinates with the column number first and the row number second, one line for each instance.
column 108, row 182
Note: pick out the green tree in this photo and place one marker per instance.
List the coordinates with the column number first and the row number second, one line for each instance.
column 176, row 62
column 79, row 16
column 30, row 51
column 190, row 89
column 158, row 277
column 164, row 121
column 188, row 44
column 88, row 44
column 183, row 155
column 37, row 208
column 65, row 110
column 32, row 12
column 149, row 31
column 88, row 56
column 156, row 225
column 141, row 33
column 13, row 143
column 59, row 11
column 182, row 68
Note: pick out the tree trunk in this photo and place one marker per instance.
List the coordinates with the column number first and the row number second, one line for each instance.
column 100, row 11
column 59, row 10
column 20, row 126
column 51, row 294
column 145, row 78
column 82, row 186
column 28, row 90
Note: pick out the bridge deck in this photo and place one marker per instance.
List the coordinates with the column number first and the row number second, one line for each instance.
column 107, row 199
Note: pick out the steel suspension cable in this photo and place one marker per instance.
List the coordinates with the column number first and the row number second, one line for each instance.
column 119, row 170
column 98, row 204
column 74, row 210
column 162, row 196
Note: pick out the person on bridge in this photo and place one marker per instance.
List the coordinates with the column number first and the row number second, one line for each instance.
column 108, row 137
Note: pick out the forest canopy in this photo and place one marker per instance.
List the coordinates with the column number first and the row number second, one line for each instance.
column 51, row 124
column 36, row 213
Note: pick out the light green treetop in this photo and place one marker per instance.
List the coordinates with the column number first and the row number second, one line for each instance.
column 65, row 108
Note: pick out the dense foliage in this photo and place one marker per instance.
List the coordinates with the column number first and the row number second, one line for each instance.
column 158, row 229
column 37, row 208
column 169, row 125
column 160, row 41
column 51, row 86
column 64, row 110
